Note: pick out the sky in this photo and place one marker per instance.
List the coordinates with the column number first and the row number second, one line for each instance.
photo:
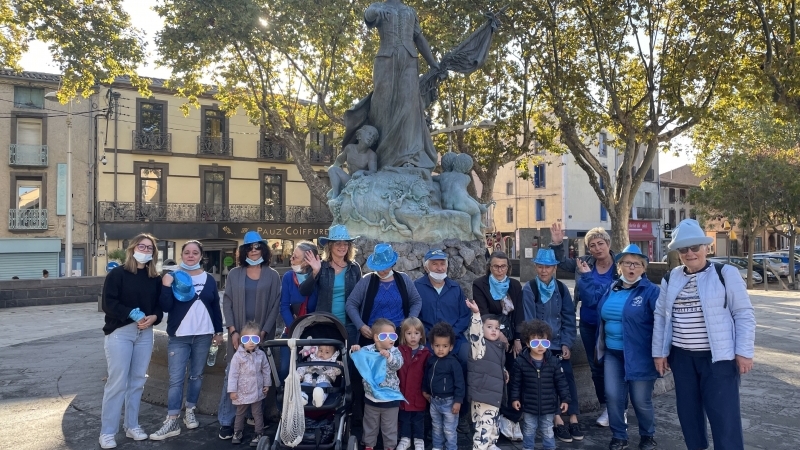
column 37, row 59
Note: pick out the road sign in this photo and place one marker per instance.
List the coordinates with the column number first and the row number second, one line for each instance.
column 111, row 265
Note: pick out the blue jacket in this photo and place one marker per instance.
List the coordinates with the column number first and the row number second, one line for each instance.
column 291, row 299
column 450, row 306
column 637, row 330
column 558, row 312
column 177, row 310
column 586, row 290
column 444, row 377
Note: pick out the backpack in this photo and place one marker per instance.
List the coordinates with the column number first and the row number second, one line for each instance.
column 718, row 267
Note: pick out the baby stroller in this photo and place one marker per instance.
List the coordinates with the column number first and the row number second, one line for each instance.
column 327, row 427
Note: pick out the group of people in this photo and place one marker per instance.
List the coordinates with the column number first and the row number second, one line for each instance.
column 507, row 351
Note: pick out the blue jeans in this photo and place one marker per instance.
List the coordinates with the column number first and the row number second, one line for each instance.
column 128, row 351
column 530, row 423
column 444, row 423
column 589, row 339
column 703, row 388
column 617, row 391
column 226, row 411
column 183, row 350
column 412, row 424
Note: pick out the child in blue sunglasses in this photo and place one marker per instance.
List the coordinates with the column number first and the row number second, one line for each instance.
column 537, row 382
column 248, row 382
column 381, row 415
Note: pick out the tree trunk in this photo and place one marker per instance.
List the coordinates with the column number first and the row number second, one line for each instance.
column 297, row 149
column 619, row 225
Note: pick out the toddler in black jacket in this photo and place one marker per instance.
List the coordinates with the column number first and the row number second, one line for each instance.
column 443, row 387
column 537, row 382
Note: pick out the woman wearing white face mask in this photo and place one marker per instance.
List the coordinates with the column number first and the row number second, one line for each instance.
column 625, row 334
column 130, row 302
column 252, row 293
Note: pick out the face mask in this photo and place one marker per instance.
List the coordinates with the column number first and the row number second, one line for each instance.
column 631, row 281
column 186, row 267
column 142, row 258
column 438, row 276
column 387, row 275
column 297, row 268
column 254, row 263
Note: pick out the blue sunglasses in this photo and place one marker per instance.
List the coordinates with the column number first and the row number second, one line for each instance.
column 250, row 338
column 537, row 342
column 385, row 336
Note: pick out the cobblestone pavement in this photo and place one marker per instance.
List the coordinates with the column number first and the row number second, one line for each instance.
column 52, row 371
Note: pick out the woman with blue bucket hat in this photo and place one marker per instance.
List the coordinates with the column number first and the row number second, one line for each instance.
column 252, row 293
column 624, row 343
column 194, row 321
column 548, row 299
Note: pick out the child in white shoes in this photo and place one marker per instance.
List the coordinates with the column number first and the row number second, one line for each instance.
column 319, row 376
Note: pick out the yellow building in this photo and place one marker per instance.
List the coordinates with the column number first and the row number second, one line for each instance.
column 204, row 176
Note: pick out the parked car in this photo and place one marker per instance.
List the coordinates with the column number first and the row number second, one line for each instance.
column 775, row 264
column 757, row 278
column 742, row 262
column 784, row 256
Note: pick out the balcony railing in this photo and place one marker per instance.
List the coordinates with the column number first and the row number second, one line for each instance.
column 643, row 213
column 154, row 142
column 217, row 146
column 27, row 219
column 27, row 155
column 272, row 150
column 323, row 156
column 198, row 212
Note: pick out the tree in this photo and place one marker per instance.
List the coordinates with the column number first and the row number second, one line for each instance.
column 91, row 41
column 645, row 70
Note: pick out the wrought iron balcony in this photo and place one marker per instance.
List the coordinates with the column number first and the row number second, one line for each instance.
column 27, row 219
column 198, row 212
column 643, row 213
column 217, row 146
column 322, row 156
column 27, row 155
column 272, row 150
column 154, row 142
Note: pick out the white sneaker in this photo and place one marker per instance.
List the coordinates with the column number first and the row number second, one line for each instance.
column 626, row 417
column 403, row 444
column 319, row 396
column 303, row 400
column 189, row 419
column 137, row 434
column 419, row 444
column 252, row 422
column 506, row 427
column 170, row 428
column 107, row 441
column 517, row 432
column 603, row 419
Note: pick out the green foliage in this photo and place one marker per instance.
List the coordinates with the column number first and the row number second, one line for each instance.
column 118, row 254
column 91, row 41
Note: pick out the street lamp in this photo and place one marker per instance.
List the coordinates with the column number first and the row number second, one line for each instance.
column 53, row 96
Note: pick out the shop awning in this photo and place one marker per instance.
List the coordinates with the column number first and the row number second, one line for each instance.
column 640, row 237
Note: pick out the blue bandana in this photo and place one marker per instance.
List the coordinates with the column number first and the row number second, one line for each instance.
column 546, row 290
column 498, row 289
column 301, row 277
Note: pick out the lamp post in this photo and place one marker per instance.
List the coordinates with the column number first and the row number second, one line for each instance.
column 52, row 96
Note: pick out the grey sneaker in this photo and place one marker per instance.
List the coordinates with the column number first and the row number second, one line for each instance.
column 189, row 419
column 170, row 428
column 237, row 437
column 137, row 434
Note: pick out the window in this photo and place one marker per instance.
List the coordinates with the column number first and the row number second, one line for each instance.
column 151, row 182
column 320, row 150
column 603, row 145
column 683, row 196
column 540, row 209
column 214, row 123
column 672, row 221
column 538, row 176
column 152, row 117
column 693, row 216
column 213, row 188
column 29, row 131
column 28, row 97
column 510, row 215
column 151, row 126
column 648, row 200
column 509, row 188
column 315, row 202
column 682, row 214
column 650, row 175
column 603, row 214
column 272, row 187
column 29, row 194
column 672, row 195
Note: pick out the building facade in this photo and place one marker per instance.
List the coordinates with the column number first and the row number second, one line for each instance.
column 35, row 136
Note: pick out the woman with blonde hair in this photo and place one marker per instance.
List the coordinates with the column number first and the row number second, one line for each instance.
column 130, row 302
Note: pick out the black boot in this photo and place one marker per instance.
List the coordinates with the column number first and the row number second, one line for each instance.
column 464, row 423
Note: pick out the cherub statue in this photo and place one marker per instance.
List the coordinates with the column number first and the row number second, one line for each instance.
column 453, row 184
column 360, row 159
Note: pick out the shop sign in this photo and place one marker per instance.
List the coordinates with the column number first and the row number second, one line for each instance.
column 275, row 230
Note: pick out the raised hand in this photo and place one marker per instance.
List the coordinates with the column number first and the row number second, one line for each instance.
column 583, row 267
column 556, row 233
column 473, row 306
column 313, row 260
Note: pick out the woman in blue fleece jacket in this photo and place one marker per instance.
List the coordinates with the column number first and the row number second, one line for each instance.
column 624, row 343
column 192, row 326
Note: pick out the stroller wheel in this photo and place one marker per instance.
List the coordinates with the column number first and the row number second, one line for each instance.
column 263, row 443
column 352, row 443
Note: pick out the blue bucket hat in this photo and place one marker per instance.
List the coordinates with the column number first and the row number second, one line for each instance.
column 252, row 237
column 687, row 234
column 435, row 254
column 336, row 233
column 545, row 257
column 182, row 286
column 631, row 249
column 383, row 258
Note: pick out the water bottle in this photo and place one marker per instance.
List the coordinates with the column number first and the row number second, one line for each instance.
column 212, row 354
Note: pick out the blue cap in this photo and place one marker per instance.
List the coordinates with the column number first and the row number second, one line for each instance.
column 384, row 257
column 631, row 249
column 336, row 233
column 182, row 286
column 252, row 237
column 545, row 257
column 435, row 254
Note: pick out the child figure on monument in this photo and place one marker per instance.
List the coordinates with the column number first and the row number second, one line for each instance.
column 360, row 159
